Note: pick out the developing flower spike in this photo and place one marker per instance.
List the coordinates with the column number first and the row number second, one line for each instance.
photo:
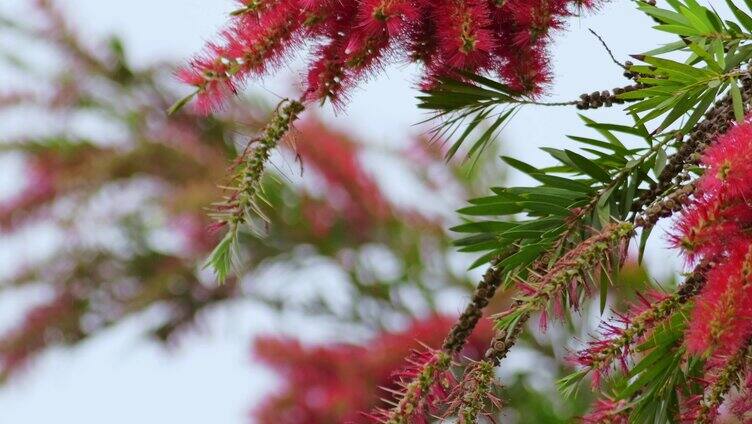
column 235, row 210
column 352, row 39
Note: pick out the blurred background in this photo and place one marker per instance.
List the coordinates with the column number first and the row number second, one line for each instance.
column 106, row 312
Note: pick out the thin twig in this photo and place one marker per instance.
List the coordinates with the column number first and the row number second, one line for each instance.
column 608, row 49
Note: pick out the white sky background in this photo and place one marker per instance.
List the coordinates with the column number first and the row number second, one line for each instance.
column 121, row 377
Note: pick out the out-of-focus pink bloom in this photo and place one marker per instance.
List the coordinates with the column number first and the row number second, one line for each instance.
column 40, row 187
column 196, row 237
column 44, row 324
column 352, row 194
column 327, row 384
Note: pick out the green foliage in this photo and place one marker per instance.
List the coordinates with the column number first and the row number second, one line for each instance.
column 715, row 51
column 583, row 190
column 475, row 102
column 221, row 258
column 658, row 379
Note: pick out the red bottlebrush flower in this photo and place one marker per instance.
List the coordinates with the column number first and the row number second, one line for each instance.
column 250, row 45
column 691, row 409
column 722, row 318
column 352, row 38
column 465, row 42
column 208, row 74
column 709, row 226
column 608, row 411
column 327, row 73
column 526, row 70
column 428, row 399
column 535, row 18
column 391, row 15
column 325, row 384
column 729, row 169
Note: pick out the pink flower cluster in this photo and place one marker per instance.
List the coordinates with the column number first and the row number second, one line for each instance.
column 352, row 38
column 716, row 227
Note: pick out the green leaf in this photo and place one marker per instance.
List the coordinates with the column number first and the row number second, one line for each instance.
column 660, row 161
column 483, row 227
column 604, row 132
column 520, row 165
column 525, row 255
column 666, row 16
column 603, row 294
column 643, row 242
column 178, row 105
column 588, row 167
column 604, row 214
column 489, row 135
column 492, row 209
column 568, row 385
column 743, row 18
column 221, row 258
column 545, row 208
column 736, row 97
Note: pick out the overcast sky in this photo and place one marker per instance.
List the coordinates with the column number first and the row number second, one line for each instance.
column 122, row 378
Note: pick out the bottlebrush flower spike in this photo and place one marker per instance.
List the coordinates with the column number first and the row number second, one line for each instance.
column 724, row 373
column 391, row 15
column 353, row 37
column 620, row 333
column 729, row 168
column 721, row 322
column 249, row 45
column 471, row 396
column 535, row 18
column 464, row 38
column 709, row 226
column 425, row 385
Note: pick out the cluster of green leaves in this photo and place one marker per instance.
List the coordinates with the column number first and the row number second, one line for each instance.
column 584, row 190
column 715, row 51
column 475, row 105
